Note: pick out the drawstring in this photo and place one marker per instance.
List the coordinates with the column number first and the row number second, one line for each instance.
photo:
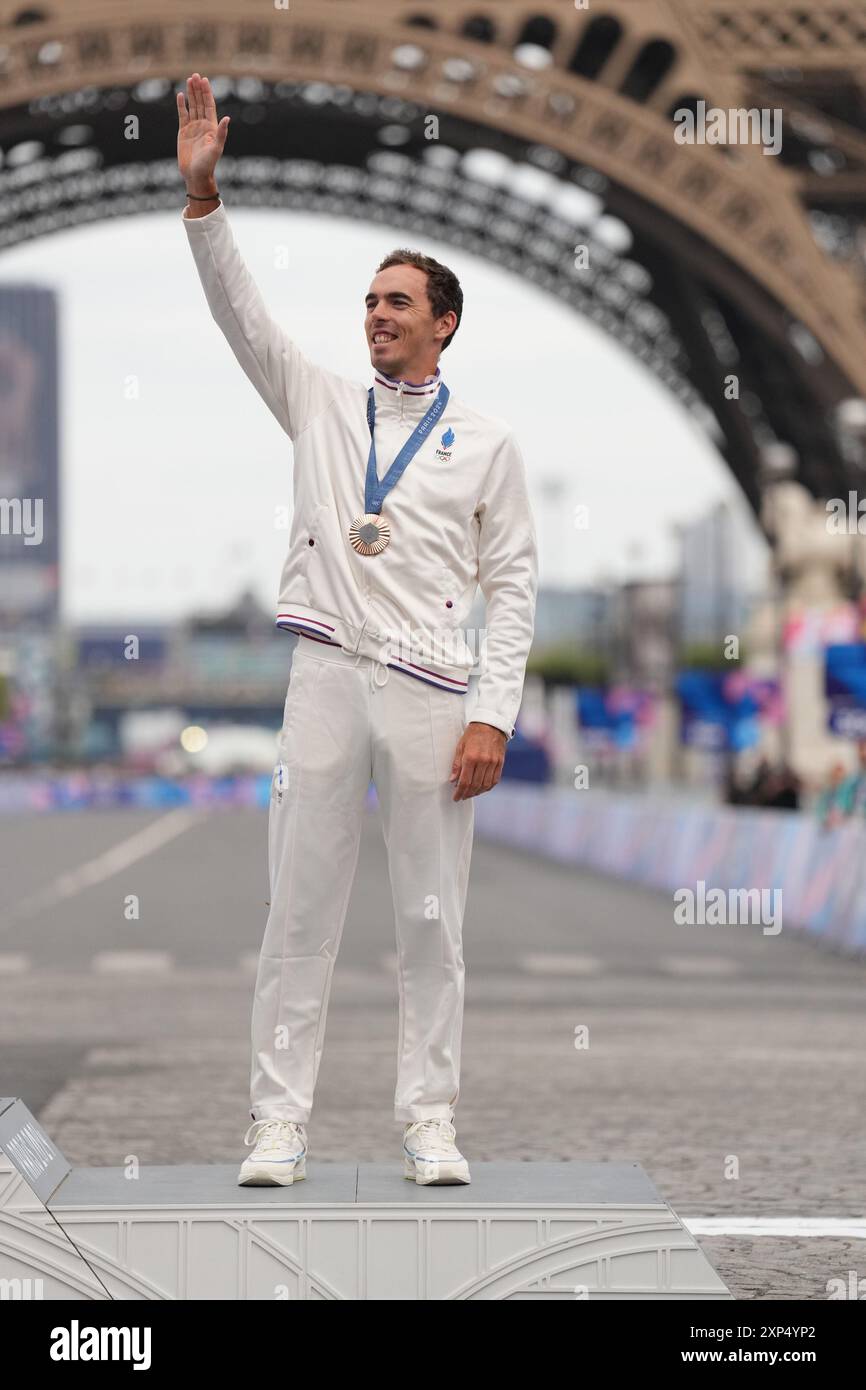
column 375, row 668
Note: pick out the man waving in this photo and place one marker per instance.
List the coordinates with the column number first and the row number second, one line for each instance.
column 405, row 501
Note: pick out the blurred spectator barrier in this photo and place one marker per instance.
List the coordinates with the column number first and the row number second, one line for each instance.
column 85, row 790
column 667, row 845
column 821, row 873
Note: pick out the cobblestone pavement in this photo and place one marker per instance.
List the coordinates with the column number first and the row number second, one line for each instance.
column 729, row 1064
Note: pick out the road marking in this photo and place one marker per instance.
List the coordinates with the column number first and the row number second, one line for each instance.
column 700, row 965
column 562, row 963
column 837, row 1227
column 104, row 866
column 131, row 962
column 12, row 963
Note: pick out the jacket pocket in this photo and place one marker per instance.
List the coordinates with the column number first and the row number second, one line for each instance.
column 294, row 703
column 311, row 555
column 448, row 592
column 461, row 715
column 454, row 640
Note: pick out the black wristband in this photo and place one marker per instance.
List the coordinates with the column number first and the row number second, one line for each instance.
column 197, row 198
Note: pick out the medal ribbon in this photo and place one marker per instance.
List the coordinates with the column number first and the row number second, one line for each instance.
column 376, row 489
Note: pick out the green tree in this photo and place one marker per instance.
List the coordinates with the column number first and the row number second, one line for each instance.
column 708, row 656
column 563, row 663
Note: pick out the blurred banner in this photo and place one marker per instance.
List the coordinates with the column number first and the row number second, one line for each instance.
column 810, row 630
column 724, row 711
column 712, row 718
column 613, row 717
column 845, row 688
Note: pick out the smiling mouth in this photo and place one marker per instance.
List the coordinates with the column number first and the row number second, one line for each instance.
column 380, row 339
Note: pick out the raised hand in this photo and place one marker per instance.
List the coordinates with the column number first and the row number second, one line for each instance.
column 201, row 137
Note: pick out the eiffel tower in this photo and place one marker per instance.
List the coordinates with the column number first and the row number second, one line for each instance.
column 526, row 134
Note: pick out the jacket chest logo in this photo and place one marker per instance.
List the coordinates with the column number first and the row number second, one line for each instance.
column 446, row 451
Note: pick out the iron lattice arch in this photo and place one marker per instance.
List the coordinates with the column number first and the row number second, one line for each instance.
column 704, row 263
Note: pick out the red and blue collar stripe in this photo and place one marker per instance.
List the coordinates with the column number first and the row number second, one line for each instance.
column 410, row 388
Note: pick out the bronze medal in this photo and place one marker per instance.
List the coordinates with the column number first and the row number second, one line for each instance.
column 369, row 534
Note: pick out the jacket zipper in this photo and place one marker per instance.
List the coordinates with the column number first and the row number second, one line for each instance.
column 400, row 394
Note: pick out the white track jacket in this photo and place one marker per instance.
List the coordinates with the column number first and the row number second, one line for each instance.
column 459, row 514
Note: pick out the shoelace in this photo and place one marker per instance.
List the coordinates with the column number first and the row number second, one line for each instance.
column 271, row 1129
column 435, row 1131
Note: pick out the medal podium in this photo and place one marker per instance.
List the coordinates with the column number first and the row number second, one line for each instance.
column 568, row 1230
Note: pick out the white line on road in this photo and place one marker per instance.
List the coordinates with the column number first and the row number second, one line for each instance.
column 131, row 962
column 12, row 963
column 104, row 866
column 699, row 965
column 562, row 963
column 839, row 1227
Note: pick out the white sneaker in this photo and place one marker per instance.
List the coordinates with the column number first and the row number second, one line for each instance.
column 430, row 1154
column 279, row 1156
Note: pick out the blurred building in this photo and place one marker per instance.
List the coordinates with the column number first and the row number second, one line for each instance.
column 724, row 567
column 29, row 519
column 644, row 625
column 230, row 667
column 563, row 615
column 29, row 456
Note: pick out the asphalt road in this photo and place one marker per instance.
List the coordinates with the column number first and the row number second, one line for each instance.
column 727, row 1062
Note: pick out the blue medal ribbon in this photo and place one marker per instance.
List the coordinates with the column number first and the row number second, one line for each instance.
column 376, row 489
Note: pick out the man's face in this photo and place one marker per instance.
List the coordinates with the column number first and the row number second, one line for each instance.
column 398, row 308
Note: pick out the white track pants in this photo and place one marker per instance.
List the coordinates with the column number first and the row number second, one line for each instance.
column 348, row 719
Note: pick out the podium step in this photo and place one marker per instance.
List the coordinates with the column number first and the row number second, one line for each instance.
column 348, row 1231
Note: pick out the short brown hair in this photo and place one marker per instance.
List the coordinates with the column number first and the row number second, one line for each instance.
column 443, row 287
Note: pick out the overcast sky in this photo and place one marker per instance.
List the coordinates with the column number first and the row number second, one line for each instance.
column 169, row 499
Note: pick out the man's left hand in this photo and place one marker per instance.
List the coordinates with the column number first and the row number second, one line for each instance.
column 478, row 760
